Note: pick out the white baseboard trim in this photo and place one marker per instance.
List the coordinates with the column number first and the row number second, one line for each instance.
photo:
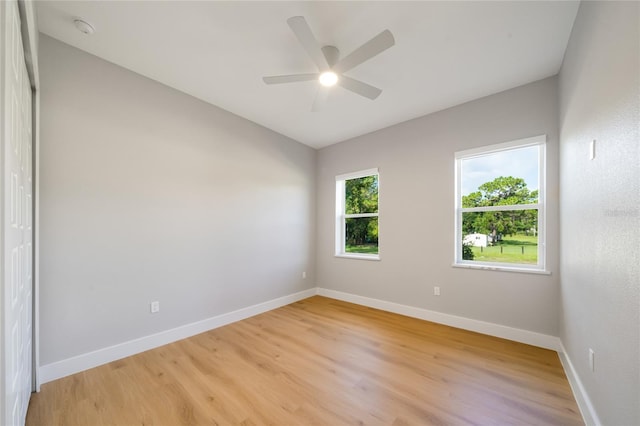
column 518, row 335
column 102, row 356
column 587, row 409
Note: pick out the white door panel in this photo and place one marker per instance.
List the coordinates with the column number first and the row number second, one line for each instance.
column 17, row 223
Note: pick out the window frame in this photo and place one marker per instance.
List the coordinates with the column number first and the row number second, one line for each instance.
column 540, row 206
column 341, row 216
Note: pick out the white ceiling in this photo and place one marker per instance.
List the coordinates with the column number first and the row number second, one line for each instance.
column 446, row 53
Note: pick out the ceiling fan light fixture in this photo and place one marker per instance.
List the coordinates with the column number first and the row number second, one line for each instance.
column 328, row 78
column 327, row 59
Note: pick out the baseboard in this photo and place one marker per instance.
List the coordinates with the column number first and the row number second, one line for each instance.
column 89, row 360
column 518, row 335
column 99, row 357
column 587, row 409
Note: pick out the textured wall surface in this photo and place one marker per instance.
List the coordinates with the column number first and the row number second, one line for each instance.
column 416, row 162
column 149, row 194
column 600, row 206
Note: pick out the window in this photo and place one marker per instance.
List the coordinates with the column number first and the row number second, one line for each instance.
column 357, row 215
column 500, row 206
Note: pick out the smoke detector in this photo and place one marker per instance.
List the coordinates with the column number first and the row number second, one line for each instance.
column 83, row 26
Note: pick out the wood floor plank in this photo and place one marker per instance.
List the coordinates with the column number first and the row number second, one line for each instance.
column 319, row 361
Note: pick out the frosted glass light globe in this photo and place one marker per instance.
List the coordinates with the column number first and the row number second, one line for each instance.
column 328, row 79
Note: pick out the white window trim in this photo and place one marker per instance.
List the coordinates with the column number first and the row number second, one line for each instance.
column 541, row 266
column 341, row 216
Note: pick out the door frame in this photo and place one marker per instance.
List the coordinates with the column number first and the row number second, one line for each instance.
column 29, row 27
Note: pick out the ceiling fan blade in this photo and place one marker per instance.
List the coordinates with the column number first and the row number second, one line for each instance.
column 321, row 99
column 279, row 79
column 373, row 47
column 308, row 41
column 356, row 86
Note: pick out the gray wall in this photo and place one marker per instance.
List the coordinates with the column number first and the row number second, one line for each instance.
column 149, row 194
column 600, row 199
column 416, row 161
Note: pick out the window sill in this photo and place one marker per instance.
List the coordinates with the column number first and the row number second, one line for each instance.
column 359, row 256
column 502, row 268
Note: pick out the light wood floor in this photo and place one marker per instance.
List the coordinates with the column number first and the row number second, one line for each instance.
column 324, row 362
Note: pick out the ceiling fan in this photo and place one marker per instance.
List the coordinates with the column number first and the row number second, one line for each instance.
column 331, row 68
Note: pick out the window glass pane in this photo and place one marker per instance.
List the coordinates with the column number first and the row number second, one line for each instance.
column 361, row 235
column 361, row 195
column 500, row 179
column 506, row 236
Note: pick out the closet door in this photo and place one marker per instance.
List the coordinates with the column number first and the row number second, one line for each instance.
column 17, row 223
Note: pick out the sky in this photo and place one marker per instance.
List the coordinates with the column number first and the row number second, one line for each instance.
column 522, row 163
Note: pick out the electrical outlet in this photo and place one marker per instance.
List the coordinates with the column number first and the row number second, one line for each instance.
column 592, row 359
column 155, row 307
column 436, row 291
column 304, row 275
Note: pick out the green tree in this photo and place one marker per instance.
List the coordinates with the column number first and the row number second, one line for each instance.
column 467, row 251
column 501, row 191
column 361, row 196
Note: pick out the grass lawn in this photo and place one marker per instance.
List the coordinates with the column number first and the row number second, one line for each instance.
column 364, row 248
column 512, row 249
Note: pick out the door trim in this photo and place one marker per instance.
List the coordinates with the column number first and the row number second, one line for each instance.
column 29, row 27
